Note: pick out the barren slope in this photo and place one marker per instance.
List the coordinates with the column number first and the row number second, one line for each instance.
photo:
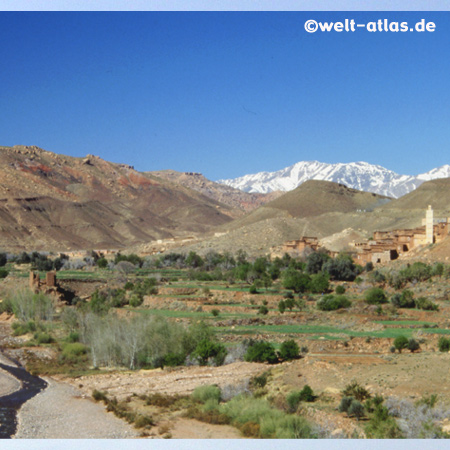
column 50, row 201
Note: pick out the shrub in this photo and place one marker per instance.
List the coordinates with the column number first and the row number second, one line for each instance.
column 289, row 350
column 296, row 281
column 215, row 312
column 375, row 296
column 142, row 421
column 354, row 389
column 345, row 404
column 307, row 394
column 263, row 310
column 340, row 290
column 261, row 352
column 405, row 300
column 332, row 303
column 281, row 306
column 3, row 272
column 136, row 300
column 444, row 344
column 425, row 304
column 73, row 351
column 413, row 345
column 204, row 393
column 253, row 289
column 260, row 380
column 43, row 338
column 102, row 263
column 400, row 343
column 356, row 409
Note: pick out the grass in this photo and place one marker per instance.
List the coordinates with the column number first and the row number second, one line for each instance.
column 325, row 331
column 191, row 314
column 403, row 322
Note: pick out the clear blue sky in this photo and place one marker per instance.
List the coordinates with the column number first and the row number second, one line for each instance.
column 226, row 93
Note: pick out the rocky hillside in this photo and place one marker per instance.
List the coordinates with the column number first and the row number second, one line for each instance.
column 50, row 201
column 235, row 198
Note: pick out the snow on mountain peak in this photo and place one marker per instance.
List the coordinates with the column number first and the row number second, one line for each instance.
column 357, row 175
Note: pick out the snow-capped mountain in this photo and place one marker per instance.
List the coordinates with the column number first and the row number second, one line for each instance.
column 357, row 175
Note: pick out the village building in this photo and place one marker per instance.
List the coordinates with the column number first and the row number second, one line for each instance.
column 390, row 245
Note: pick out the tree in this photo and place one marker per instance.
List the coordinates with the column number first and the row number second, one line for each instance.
column 400, row 343
column 315, row 262
column 207, row 349
column 319, row 283
column 261, row 352
column 295, row 280
column 341, row 268
column 413, row 345
column 281, row 306
column 289, row 350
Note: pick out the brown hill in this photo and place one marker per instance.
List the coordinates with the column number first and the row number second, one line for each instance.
column 311, row 199
column 434, row 192
column 50, row 201
column 239, row 200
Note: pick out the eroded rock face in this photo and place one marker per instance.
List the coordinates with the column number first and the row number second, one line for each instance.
column 56, row 202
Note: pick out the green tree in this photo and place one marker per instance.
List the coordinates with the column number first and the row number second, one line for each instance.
column 289, row 350
column 400, row 343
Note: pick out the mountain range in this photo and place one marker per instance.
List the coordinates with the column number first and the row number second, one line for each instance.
column 357, row 175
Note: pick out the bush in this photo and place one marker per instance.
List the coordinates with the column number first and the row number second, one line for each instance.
column 142, row 421
column 207, row 349
column 263, row 310
column 355, row 390
column 3, row 272
column 204, row 393
column 332, row 303
column 289, row 350
column 215, row 312
column 413, row 345
column 136, row 300
column 253, row 289
column 281, row 306
column 400, row 343
column 345, row 404
column 405, row 300
column 444, row 344
column 425, row 304
column 102, row 263
column 43, row 338
column 261, row 352
column 260, row 381
column 74, row 352
column 356, row 409
column 319, row 283
column 340, row 290
column 375, row 296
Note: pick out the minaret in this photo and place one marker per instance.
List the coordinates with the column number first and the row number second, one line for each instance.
column 429, row 225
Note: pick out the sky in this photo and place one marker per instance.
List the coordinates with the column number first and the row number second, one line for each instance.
column 226, row 93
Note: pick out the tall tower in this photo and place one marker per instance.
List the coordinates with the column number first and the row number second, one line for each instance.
column 429, row 225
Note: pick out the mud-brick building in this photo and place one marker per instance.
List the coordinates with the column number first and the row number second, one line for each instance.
column 298, row 245
column 389, row 245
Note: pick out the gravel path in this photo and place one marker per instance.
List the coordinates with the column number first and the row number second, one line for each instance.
column 62, row 412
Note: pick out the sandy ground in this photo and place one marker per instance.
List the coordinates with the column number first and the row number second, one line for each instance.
column 62, row 412
column 180, row 381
